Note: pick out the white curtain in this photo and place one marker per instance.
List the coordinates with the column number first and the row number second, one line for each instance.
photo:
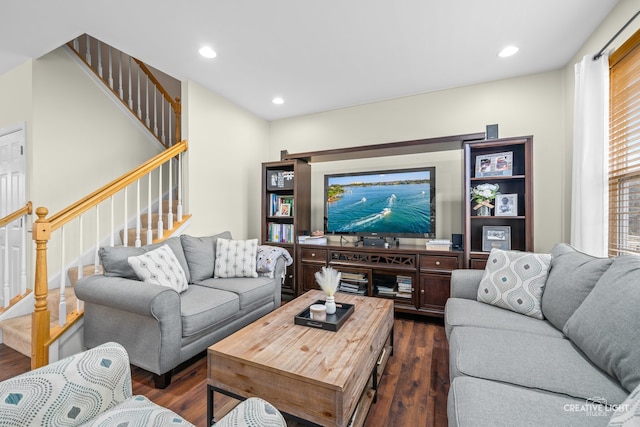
column 589, row 195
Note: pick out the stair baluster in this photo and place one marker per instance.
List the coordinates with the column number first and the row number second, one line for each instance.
column 149, row 213
column 170, row 207
column 138, row 242
column 63, row 300
column 125, row 238
column 160, row 221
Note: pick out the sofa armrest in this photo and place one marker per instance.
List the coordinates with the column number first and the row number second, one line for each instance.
column 144, row 318
column 100, row 377
column 464, row 283
column 129, row 295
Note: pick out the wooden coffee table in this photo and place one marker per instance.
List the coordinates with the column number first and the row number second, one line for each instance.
column 317, row 376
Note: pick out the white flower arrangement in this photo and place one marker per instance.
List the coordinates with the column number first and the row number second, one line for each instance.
column 482, row 194
column 328, row 279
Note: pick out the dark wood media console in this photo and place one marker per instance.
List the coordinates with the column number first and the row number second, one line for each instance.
column 415, row 278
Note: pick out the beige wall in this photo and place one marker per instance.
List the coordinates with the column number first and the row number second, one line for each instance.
column 226, row 147
column 531, row 105
column 81, row 141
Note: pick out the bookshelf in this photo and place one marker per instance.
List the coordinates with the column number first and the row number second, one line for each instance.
column 506, row 162
column 285, row 209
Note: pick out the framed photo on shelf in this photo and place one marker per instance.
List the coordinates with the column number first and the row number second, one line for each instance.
column 496, row 236
column 506, row 205
column 498, row 164
column 284, row 209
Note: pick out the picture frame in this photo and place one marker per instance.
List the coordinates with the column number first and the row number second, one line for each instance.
column 496, row 164
column 284, row 209
column 506, row 205
column 496, row 236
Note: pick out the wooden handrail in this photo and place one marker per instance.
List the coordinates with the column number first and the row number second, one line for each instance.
column 26, row 210
column 155, row 81
column 88, row 202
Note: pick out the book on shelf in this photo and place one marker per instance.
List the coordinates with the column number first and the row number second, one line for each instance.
column 280, row 205
column 280, row 233
column 353, row 288
column 353, row 277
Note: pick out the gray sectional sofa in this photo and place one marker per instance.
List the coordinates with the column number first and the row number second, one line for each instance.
column 162, row 327
column 574, row 360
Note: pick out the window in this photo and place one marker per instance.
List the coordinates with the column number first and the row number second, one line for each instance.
column 624, row 149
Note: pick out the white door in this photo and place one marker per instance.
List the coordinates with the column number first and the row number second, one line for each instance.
column 12, row 198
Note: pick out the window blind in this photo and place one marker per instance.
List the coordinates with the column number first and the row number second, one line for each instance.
column 624, row 149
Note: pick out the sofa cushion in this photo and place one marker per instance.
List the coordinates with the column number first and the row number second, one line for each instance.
column 236, row 258
column 572, row 276
column 249, row 290
column 529, row 360
column 160, row 267
column 200, row 253
column 628, row 413
column 465, row 312
column 139, row 411
column 115, row 264
column 515, row 281
column 606, row 327
column 202, row 307
column 476, row 402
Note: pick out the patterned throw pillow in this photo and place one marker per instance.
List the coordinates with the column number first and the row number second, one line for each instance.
column 627, row 414
column 236, row 258
column 515, row 281
column 160, row 267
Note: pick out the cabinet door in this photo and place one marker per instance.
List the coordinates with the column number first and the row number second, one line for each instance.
column 434, row 291
column 309, row 276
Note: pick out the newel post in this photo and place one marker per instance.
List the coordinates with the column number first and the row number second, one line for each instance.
column 41, row 316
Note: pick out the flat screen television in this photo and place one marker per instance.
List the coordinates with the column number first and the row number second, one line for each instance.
column 387, row 203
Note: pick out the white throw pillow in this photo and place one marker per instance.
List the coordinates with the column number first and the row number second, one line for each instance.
column 627, row 414
column 236, row 258
column 160, row 267
column 515, row 281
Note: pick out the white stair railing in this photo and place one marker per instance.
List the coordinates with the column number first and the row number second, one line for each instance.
column 89, row 214
column 7, row 224
column 145, row 97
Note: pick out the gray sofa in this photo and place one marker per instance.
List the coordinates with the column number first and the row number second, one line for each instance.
column 578, row 364
column 161, row 327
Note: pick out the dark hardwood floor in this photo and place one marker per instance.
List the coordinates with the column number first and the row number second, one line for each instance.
column 412, row 392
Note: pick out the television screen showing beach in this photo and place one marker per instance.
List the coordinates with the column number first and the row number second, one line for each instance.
column 381, row 203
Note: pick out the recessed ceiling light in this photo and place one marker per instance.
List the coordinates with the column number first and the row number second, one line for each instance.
column 207, row 52
column 278, row 101
column 508, row 51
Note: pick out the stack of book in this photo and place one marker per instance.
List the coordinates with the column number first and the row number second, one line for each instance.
column 404, row 287
column 312, row 240
column 439, row 245
column 353, row 283
column 386, row 291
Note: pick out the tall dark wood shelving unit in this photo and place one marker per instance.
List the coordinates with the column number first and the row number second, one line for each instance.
column 520, row 182
column 299, row 219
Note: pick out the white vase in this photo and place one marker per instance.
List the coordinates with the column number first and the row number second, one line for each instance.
column 484, row 211
column 330, row 303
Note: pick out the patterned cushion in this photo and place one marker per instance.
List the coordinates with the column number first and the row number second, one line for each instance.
column 69, row 392
column 160, row 267
column 138, row 411
column 628, row 413
column 253, row 412
column 515, row 281
column 236, row 258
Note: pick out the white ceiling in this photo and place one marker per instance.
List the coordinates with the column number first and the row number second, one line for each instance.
column 317, row 55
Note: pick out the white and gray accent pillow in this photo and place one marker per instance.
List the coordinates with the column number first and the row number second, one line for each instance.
column 236, row 258
column 627, row 414
column 515, row 281
column 160, row 267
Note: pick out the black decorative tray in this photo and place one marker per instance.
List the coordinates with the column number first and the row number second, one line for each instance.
column 333, row 322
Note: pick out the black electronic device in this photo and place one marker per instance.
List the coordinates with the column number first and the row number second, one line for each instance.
column 492, row 132
column 457, row 242
column 373, row 241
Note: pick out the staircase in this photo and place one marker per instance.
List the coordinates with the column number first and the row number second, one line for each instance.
column 134, row 85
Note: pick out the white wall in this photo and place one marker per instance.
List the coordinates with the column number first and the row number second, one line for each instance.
column 531, row 105
column 226, row 147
